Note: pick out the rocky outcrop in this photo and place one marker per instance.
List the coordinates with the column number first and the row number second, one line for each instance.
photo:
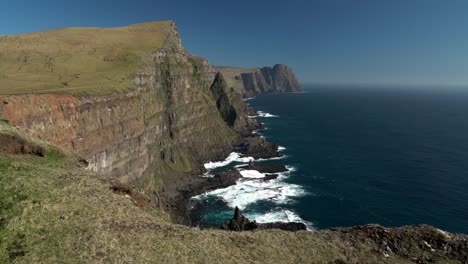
column 420, row 244
column 277, row 79
column 265, row 167
column 225, row 107
column 179, row 201
column 259, row 148
column 241, row 223
column 233, row 109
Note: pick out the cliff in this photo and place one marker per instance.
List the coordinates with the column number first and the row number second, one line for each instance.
column 153, row 135
column 251, row 82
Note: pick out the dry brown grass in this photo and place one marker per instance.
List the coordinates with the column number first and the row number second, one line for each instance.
column 54, row 211
column 230, row 74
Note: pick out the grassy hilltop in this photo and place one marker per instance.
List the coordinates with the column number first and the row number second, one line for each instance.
column 77, row 60
column 232, row 76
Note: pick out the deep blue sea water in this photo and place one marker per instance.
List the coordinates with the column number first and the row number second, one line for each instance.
column 392, row 156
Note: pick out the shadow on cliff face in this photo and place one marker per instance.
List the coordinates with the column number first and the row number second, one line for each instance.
column 225, row 107
column 13, row 144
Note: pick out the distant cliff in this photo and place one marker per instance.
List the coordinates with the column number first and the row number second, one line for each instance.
column 251, row 82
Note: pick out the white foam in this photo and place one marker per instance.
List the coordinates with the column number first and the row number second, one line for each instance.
column 248, row 99
column 281, row 215
column 263, row 114
column 207, row 175
column 253, row 174
column 280, row 148
column 233, row 157
column 248, row 191
column 274, row 158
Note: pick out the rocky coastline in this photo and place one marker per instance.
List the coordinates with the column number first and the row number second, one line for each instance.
column 254, row 146
column 241, row 223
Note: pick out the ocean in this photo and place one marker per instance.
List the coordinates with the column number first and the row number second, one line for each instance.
column 357, row 155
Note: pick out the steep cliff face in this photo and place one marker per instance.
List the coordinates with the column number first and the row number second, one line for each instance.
column 154, row 136
column 251, row 82
column 232, row 107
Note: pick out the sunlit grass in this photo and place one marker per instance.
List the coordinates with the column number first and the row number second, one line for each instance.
column 77, row 60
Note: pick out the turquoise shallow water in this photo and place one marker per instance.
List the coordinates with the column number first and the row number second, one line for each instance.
column 392, row 156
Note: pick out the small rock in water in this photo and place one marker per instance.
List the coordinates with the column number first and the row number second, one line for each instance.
column 241, row 223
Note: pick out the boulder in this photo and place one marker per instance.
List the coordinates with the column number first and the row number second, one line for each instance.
column 241, row 223
column 259, row 148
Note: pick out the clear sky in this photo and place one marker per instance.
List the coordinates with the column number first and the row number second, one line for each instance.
column 325, row 41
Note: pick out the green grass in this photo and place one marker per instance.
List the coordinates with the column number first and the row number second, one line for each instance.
column 54, row 211
column 77, row 60
column 230, row 73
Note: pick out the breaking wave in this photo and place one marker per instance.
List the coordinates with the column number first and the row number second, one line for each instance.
column 252, row 188
column 263, row 114
column 233, row 157
column 281, row 215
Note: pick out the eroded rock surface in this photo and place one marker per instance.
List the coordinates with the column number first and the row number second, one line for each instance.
column 265, row 168
column 259, row 148
column 241, row 223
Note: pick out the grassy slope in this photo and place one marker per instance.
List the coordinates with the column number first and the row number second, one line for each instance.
column 76, row 60
column 229, row 74
column 54, row 211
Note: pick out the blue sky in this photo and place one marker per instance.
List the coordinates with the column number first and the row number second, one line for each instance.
column 326, row 41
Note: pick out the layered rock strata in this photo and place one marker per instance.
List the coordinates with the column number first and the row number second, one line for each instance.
column 251, row 82
column 155, row 137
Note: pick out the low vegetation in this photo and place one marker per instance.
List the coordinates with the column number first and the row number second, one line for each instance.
column 77, row 60
column 233, row 78
column 52, row 210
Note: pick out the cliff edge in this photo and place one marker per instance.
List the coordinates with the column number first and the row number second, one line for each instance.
column 250, row 82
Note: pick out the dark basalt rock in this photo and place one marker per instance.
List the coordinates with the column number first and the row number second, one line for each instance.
column 259, row 148
column 251, row 111
column 241, row 223
column 265, row 168
column 291, row 226
column 255, row 124
column 224, row 105
column 270, row 177
column 177, row 202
